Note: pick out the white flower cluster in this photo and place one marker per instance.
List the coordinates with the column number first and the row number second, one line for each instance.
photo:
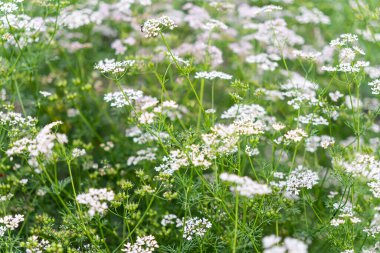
column 10, row 222
column 346, row 67
column 171, row 219
column 295, row 135
column 96, row 200
column 307, row 55
column 223, row 139
column 245, row 186
column 243, row 111
column 141, row 137
column 77, row 152
column 173, row 162
column 313, row 142
column 8, row 8
column 153, row 27
column 111, row 66
column 212, row 75
column 344, row 40
column 43, row 143
column 363, row 165
column 273, row 244
column 148, row 154
column 35, row 245
column 265, row 61
column 312, row 119
column 374, row 228
column 122, row 98
column 313, row 16
column 300, row 177
column 375, row 86
column 346, row 213
column 196, row 227
column 145, row 244
column 16, row 120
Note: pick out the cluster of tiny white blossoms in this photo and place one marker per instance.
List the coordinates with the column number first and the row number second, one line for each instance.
column 375, row 86
column 173, row 162
column 16, row 120
column 367, row 167
column 245, row 186
column 96, row 200
column 8, row 8
column 313, row 142
column 295, row 135
column 36, row 245
column 264, row 61
column 171, row 219
column 43, row 143
column 122, row 98
column 153, row 27
column 196, row 227
column 299, row 178
column 212, row 75
column 111, row 66
column 275, row 244
column 10, row 222
column 346, row 213
column 145, row 244
column 77, row 152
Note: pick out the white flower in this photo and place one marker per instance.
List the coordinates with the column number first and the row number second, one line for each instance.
column 45, row 93
column 77, row 152
column 336, row 222
column 212, row 75
column 123, row 98
column 375, row 86
column 295, row 135
column 196, row 227
column 245, row 186
column 96, row 200
column 12, row 222
column 145, row 244
column 153, row 27
column 111, row 66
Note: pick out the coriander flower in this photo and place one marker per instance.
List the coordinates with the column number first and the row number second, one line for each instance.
column 212, row 75
column 145, row 244
column 375, row 86
column 153, row 27
column 111, row 66
column 196, row 227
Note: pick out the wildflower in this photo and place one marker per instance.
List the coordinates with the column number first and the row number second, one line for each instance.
column 295, row 135
column 77, row 152
column 344, row 39
column 153, row 27
column 96, row 200
column 335, row 96
column 196, row 227
column 212, row 75
column 299, row 178
column 45, row 93
column 12, row 222
column 145, row 244
column 122, row 98
column 8, row 8
column 111, row 66
column 170, row 219
column 273, row 244
column 336, row 222
column 245, row 186
column 313, row 16
column 265, row 61
column 375, row 86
